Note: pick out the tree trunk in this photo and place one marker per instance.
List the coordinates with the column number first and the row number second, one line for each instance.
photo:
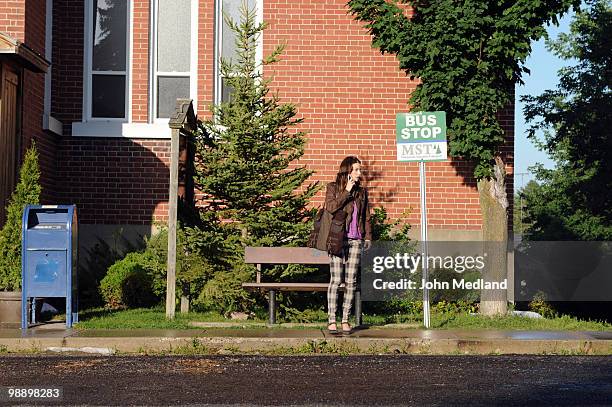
column 494, row 207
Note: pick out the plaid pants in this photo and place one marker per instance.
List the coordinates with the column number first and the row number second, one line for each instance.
column 350, row 263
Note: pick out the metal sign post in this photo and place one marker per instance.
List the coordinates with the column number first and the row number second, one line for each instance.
column 423, row 193
column 421, row 137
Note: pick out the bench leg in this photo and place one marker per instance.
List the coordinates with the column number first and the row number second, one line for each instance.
column 357, row 308
column 272, row 306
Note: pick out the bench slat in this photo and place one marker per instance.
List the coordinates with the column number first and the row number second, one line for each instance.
column 285, row 255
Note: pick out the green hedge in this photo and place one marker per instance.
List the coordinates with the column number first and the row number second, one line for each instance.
column 127, row 284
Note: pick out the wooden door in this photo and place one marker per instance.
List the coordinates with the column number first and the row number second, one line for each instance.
column 8, row 137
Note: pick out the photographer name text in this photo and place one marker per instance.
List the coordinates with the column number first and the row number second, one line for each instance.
column 456, row 284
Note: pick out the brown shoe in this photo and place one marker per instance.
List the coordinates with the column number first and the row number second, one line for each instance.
column 332, row 328
column 346, row 328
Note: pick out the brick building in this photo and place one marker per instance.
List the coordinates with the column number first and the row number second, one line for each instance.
column 99, row 80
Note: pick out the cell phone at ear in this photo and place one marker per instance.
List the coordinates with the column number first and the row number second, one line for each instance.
column 350, row 178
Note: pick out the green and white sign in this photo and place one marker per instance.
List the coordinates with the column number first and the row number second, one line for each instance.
column 421, row 136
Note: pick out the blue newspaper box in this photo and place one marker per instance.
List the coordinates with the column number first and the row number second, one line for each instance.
column 49, row 259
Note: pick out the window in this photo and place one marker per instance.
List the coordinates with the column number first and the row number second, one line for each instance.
column 106, row 60
column 49, row 122
column 174, row 58
column 107, row 84
column 225, row 46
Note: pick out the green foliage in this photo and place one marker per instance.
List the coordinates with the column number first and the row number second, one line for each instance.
column 468, row 57
column 27, row 192
column 455, row 307
column 244, row 152
column 574, row 200
column 127, row 283
column 224, row 293
column 192, row 268
column 541, row 306
column 383, row 230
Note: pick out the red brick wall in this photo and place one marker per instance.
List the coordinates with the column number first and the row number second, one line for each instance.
column 116, row 181
column 67, row 90
column 12, row 18
column 33, row 106
column 349, row 95
column 25, row 21
column 140, row 61
column 206, row 12
column 347, row 92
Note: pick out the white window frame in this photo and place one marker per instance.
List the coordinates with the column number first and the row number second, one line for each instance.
column 112, row 127
column 88, row 72
column 153, row 73
column 49, row 122
column 218, row 45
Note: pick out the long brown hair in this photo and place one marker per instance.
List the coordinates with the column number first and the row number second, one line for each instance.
column 346, row 166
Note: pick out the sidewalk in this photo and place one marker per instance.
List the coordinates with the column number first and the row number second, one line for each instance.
column 373, row 340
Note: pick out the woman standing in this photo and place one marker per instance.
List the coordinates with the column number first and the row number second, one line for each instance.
column 347, row 200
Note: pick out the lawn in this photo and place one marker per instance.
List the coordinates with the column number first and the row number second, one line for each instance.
column 155, row 318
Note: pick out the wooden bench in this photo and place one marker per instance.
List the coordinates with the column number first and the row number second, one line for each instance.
column 261, row 256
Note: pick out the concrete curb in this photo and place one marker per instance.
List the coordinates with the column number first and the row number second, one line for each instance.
column 312, row 345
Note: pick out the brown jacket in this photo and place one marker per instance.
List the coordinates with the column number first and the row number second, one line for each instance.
column 343, row 200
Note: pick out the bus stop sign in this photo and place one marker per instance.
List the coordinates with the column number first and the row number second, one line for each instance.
column 421, row 136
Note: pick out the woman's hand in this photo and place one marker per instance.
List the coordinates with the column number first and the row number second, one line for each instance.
column 350, row 184
column 367, row 245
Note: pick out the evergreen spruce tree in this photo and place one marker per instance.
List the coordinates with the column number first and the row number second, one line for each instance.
column 246, row 149
column 27, row 192
column 245, row 155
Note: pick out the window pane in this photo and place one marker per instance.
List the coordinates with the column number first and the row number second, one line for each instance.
column 174, row 35
column 169, row 89
column 226, row 91
column 231, row 9
column 109, row 36
column 108, row 96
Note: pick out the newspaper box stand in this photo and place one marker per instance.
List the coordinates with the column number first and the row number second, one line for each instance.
column 49, row 259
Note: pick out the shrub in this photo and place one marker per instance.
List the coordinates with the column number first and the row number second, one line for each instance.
column 27, row 192
column 224, row 292
column 192, row 269
column 539, row 305
column 127, row 283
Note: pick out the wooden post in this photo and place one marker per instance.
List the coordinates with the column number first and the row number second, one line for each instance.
column 172, row 216
column 182, row 119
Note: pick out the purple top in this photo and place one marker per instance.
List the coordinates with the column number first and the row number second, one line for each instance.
column 353, row 232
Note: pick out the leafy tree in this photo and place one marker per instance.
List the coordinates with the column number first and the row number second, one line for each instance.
column 574, row 201
column 468, row 57
column 27, row 192
column 245, row 150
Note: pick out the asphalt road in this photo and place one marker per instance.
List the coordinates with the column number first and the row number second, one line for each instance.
column 316, row 380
